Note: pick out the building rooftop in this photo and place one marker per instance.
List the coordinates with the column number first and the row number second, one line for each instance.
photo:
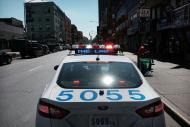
column 12, row 21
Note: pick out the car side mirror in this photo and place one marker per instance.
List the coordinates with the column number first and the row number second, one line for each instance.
column 56, row 67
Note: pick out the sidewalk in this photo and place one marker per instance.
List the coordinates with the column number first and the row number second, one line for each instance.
column 172, row 83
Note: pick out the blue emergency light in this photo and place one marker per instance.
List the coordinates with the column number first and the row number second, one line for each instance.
column 95, row 51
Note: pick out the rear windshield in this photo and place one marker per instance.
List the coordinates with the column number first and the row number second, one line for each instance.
column 101, row 75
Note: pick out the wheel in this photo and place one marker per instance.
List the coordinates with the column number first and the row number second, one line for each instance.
column 22, row 55
column 55, row 50
column 9, row 60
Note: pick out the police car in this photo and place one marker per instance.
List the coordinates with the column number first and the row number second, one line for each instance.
column 98, row 90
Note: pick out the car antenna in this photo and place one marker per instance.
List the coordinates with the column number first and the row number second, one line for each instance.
column 97, row 58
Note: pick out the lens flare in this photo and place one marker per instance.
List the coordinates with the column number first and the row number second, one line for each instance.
column 107, row 80
column 88, row 46
column 109, row 47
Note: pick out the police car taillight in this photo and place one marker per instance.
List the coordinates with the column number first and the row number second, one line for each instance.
column 151, row 110
column 88, row 46
column 51, row 111
column 95, row 46
column 81, row 46
column 109, row 47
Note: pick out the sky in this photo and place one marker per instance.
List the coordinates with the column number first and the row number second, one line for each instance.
column 83, row 13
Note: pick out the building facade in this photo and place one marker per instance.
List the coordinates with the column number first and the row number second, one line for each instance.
column 74, row 34
column 46, row 21
column 10, row 28
column 106, row 20
column 67, row 25
column 164, row 24
column 170, row 27
column 80, row 37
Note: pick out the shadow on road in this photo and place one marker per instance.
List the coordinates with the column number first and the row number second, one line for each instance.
column 179, row 61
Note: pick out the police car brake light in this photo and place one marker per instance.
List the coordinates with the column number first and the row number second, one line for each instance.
column 88, row 46
column 81, row 46
column 51, row 111
column 109, row 47
column 95, row 46
column 151, row 110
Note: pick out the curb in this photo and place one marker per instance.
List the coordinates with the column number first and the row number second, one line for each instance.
column 173, row 111
column 179, row 116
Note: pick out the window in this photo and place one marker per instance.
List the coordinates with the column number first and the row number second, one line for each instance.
column 30, row 19
column 48, row 27
column 153, row 13
column 40, row 28
column 49, row 10
column 32, row 29
column 33, row 36
column 1, row 52
column 98, row 75
column 47, row 19
column 158, row 12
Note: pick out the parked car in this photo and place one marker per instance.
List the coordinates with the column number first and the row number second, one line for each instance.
column 32, row 50
column 45, row 49
column 55, row 47
column 65, row 47
column 68, row 46
column 5, row 58
column 29, row 48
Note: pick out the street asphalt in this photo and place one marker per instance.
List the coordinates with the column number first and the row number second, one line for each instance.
column 23, row 81
column 21, row 84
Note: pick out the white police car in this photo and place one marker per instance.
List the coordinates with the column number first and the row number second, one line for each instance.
column 99, row 91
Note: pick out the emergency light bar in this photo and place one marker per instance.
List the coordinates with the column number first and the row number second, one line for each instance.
column 96, row 51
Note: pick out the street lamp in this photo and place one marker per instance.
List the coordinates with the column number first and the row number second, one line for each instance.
column 94, row 21
column 91, row 34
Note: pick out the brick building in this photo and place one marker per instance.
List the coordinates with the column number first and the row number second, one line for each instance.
column 10, row 28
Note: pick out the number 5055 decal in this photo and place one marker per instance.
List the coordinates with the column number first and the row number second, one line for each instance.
column 92, row 95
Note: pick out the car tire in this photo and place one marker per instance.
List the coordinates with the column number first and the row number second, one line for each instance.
column 9, row 60
column 23, row 56
column 55, row 50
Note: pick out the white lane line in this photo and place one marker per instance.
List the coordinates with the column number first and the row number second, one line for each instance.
column 35, row 68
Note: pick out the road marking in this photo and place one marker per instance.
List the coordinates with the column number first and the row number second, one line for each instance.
column 35, row 68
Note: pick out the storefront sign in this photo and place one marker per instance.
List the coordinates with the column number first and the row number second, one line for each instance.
column 144, row 12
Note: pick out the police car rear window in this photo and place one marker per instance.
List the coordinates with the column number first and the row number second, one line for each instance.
column 98, row 75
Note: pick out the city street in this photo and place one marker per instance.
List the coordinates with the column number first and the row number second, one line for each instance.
column 23, row 82
column 171, row 81
column 36, row 35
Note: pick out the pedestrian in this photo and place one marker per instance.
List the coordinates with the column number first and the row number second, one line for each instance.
column 151, row 48
column 140, row 53
column 121, row 48
column 141, row 50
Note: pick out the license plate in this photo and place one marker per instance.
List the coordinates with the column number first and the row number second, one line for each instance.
column 103, row 121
